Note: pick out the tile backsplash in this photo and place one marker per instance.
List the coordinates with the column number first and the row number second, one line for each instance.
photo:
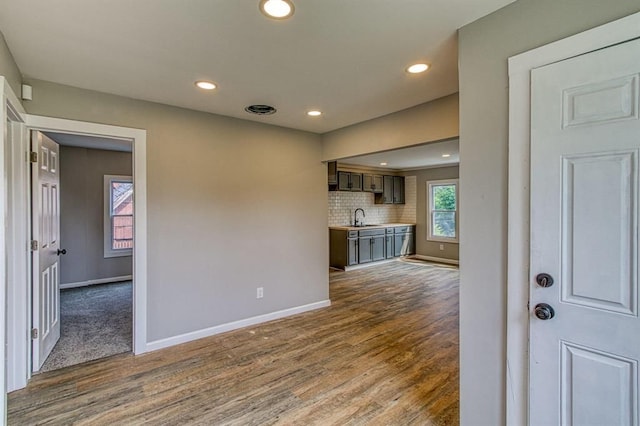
column 342, row 205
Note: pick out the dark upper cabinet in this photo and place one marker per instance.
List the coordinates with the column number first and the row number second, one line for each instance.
column 398, row 190
column 348, row 181
column 392, row 190
column 332, row 172
column 372, row 183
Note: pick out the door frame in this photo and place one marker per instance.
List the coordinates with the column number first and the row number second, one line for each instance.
column 10, row 108
column 138, row 139
column 520, row 66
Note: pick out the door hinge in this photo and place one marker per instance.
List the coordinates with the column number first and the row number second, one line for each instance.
column 34, row 245
column 34, row 333
column 33, row 157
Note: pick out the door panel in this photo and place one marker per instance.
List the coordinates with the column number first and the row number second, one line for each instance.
column 610, row 179
column 46, row 231
column 591, row 377
column 585, row 141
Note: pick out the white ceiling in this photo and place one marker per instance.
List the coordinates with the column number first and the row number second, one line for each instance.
column 92, row 142
column 346, row 58
column 416, row 157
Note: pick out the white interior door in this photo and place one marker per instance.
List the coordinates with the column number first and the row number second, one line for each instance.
column 45, row 194
column 585, row 143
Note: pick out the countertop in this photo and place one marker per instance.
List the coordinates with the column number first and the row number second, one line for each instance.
column 382, row 225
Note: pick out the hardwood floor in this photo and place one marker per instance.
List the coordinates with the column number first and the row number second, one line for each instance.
column 384, row 353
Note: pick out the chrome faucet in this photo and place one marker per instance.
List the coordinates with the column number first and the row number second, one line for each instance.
column 355, row 217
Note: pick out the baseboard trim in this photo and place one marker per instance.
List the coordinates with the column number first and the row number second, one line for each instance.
column 366, row 265
column 437, row 259
column 98, row 281
column 223, row 328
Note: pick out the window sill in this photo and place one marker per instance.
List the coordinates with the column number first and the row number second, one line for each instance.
column 119, row 253
column 443, row 240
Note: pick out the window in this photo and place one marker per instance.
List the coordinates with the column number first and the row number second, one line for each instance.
column 442, row 208
column 118, row 217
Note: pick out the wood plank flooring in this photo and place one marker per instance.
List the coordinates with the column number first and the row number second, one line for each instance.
column 384, row 353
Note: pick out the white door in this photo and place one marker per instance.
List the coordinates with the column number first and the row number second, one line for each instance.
column 585, row 143
column 45, row 220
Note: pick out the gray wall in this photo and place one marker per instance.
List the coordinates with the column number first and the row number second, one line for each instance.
column 424, row 247
column 9, row 69
column 428, row 122
column 232, row 205
column 484, row 47
column 82, row 213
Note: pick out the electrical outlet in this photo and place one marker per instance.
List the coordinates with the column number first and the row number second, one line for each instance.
column 259, row 293
column 441, row 246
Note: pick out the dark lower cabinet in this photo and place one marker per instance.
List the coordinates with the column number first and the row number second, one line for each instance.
column 354, row 247
column 352, row 251
column 371, row 245
column 404, row 241
column 377, row 248
column 343, row 248
column 364, row 250
column 388, row 250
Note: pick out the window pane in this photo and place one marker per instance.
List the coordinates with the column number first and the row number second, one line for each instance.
column 121, row 215
column 444, row 224
column 444, row 197
column 122, row 232
column 121, row 198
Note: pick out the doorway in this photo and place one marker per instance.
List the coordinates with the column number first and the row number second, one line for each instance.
column 19, row 359
column 95, row 245
column 519, row 316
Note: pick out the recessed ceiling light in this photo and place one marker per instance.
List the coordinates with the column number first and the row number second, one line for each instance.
column 417, row 68
column 383, row 164
column 206, row 85
column 446, row 155
column 314, row 113
column 277, row 9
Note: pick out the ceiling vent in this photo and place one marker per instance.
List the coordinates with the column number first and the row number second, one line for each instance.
column 260, row 109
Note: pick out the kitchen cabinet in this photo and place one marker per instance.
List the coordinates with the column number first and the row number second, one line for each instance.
column 392, row 190
column 404, row 241
column 343, row 248
column 372, row 183
column 398, row 190
column 348, row 181
column 332, row 173
column 389, row 240
column 371, row 244
column 349, row 247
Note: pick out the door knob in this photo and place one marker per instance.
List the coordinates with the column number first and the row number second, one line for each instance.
column 63, row 251
column 544, row 311
column 544, row 280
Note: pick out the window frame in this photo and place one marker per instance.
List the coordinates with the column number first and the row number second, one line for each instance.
column 109, row 251
column 430, row 185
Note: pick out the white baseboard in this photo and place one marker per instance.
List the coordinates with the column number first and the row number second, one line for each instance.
column 437, row 259
column 98, row 281
column 223, row 328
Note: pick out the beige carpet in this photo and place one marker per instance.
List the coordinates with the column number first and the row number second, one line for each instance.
column 95, row 322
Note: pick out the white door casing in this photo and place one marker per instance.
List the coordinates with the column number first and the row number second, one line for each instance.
column 45, row 202
column 585, row 143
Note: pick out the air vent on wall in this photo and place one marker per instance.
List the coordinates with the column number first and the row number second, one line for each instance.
column 260, row 109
